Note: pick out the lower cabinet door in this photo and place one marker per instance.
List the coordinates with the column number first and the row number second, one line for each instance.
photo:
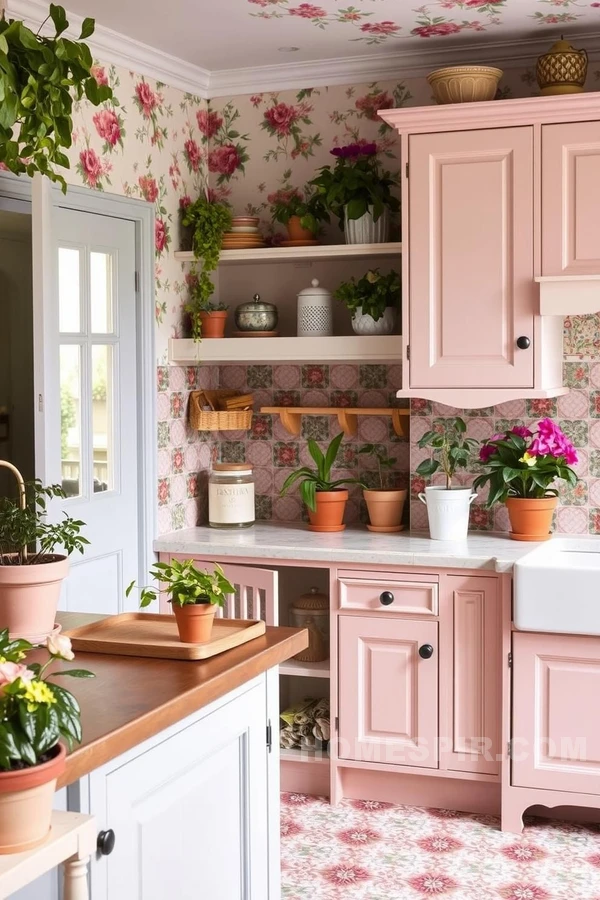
column 190, row 814
column 556, row 730
column 388, row 694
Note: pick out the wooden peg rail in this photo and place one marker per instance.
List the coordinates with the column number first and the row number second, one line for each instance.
column 291, row 417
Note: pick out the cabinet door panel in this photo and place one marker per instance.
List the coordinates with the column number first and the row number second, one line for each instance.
column 472, row 292
column 571, row 199
column 556, row 734
column 388, row 693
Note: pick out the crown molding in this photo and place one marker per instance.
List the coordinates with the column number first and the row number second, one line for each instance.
column 112, row 47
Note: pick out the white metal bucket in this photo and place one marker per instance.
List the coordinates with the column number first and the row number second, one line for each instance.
column 448, row 512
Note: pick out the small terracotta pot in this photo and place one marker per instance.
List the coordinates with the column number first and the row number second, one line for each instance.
column 530, row 520
column 385, row 509
column 213, row 323
column 26, row 798
column 29, row 597
column 194, row 622
column 296, row 232
column 329, row 514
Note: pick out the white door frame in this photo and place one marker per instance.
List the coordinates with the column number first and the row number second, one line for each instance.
column 141, row 213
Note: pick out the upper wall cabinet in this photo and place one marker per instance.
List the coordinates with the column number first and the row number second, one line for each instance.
column 498, row 207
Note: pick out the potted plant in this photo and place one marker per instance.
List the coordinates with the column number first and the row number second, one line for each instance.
column 193, row 595
column 302, row 216
column 523, row 464
column 209, row 222
column 324, row 499
column 385, row 503
column 34, row 715
column 40, row 76
column 373, row 301
column 358, row 191
column 447, row 506
column 31, row 572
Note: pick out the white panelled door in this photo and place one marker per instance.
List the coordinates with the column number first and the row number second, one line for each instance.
column 90, row 430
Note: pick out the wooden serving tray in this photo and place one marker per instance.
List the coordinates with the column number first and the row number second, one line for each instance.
column 148, row 634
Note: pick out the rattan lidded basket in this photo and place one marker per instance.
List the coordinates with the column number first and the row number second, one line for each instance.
column 216, row 418
column 562, row 70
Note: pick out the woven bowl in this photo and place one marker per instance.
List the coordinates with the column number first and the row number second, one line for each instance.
column 464, row 84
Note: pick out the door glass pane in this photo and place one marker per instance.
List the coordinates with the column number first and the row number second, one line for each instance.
column 70, row 418
column 102, row 417
column 69, row 316
column 101, row 292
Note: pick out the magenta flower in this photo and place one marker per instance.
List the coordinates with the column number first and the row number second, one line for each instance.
column 488, row 449
column 522, row 431
column 353, row 151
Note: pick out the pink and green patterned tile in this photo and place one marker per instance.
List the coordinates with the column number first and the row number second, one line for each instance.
column 343, row 398
column 163, row 492
column 374, row 376
column 420, row 407
column 315, row 376
column 162, row 435
column 576, row 374
column 480, row 518
column 162, row 378
column 192, row 486
column 191, row 377
column 264, row 508
column 594, row 520
column 177, row 461
column 259, row 377
column 501, row 425
column 177, row 404
column 178, row 516
column 317, row 428
column 595, row 404
column 287, row 398
column 262, row 428
column 576, row 430
column 573, row 495
column 286, row 454
column 233, row 451
column 594, row 463
column 541, row 408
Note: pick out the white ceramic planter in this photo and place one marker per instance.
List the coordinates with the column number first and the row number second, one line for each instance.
column 366, row 324
column 448, row 512
column 367, row 231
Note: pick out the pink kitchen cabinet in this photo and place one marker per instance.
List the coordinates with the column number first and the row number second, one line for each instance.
column 571, row 198
column 388, row 690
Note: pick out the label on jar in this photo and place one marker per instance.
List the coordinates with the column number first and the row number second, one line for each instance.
column 231, row 504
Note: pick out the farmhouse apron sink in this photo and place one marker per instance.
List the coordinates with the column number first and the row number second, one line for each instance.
column 557, row 587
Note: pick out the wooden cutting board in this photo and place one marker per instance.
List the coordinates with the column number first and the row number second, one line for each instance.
column 148, row 634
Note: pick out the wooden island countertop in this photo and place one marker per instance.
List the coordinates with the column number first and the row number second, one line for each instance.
column 133, row 698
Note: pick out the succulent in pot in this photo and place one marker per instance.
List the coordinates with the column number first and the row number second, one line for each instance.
column 523, row 465
column 193, row 595
column 323, row 496
column 358, row 192
column 31, row 572
column 35, row 714
column 209, row 222
column 385, row 503
column 373, row 300
column 447, row 506
column 301, row 215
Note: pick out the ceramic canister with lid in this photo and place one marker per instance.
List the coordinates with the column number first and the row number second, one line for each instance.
column 231, row 496
column 315, row 317
column 311, row 611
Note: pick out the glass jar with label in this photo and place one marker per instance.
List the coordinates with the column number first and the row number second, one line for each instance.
column 231, row 496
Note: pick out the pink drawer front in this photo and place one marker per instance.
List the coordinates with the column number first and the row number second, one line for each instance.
column 388, row 593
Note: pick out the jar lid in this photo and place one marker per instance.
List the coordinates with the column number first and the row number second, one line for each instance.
column 313, row 600
column 232, row 467
column 256, row 305
column 563, row 46
column 314, row 289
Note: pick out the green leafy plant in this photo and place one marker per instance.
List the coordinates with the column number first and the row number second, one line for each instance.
column 319, row 479
column 209, row 222
column 35, row 714
column 40, row 77
column 372, row 293
column 310, row 210
column 356, row 182
column 23, row 528
column 452, row 450
column 186, row 584
column 385, row 464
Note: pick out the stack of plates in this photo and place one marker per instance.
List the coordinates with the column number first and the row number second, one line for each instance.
column 244, row 234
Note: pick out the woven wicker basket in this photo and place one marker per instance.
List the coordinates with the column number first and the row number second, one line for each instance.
column 217, row 419
column 562, row 70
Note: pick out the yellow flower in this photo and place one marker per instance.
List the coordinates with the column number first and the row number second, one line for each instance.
column 37, row 692
column 372, row 276
column 528, row 459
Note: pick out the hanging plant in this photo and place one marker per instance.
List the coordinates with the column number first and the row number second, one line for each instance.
column 209, row 222
column 40, row 76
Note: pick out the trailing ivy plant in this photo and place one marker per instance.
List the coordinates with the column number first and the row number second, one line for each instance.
column 209, row 221
column 40, row 76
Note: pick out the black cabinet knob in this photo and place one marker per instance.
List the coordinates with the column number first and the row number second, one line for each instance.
column 105, row 842
column 523, row 342
column 386, row 598
column 426, row 651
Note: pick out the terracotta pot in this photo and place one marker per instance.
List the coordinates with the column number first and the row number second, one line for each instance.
column 329, row 514
column 29, row 597
column 385, row 509
column 213, row 323
column 530, row 520
column 296, row 232
column 194, row 622
column 26, row 798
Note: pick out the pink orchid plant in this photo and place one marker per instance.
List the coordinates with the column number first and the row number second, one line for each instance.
column 525, row 462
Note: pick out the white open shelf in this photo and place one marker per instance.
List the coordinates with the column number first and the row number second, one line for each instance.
column 297, row 254
column 305, row 669
column 345, row 348
column 319, row 757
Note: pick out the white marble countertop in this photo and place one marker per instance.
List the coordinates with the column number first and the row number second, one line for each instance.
column 267, row 540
